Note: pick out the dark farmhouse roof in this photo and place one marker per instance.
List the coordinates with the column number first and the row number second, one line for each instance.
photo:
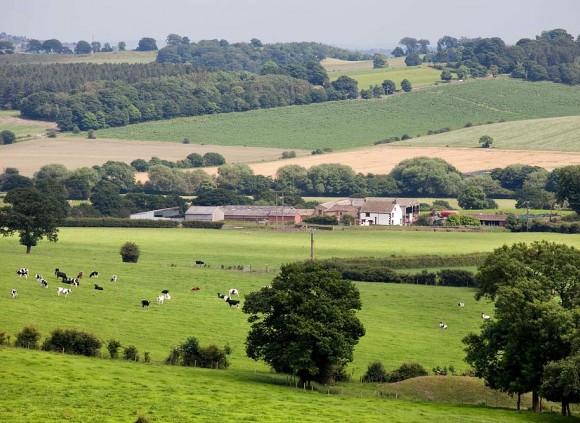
column 258, row 211
column 375, row 206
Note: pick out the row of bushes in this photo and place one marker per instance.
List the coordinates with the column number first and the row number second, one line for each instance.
column 380, row 273
column 560, row 227
column 112, row 222
column 411, row 262
column 377, row 373
column 75, row 342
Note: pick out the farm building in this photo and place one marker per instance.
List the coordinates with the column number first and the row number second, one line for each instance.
column 491, row 219
column 160, row 214
column 372, row 210
column 385, row 213
column 262, row 214
column 205, row 213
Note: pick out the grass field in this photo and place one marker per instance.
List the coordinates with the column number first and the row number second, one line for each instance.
column 348, row 124
column 419, row 76
column 400, row 321
column 99, row 58
column 23, row 129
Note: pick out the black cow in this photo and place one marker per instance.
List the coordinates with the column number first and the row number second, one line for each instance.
column 232, row 302
column 60, row 274
column 199, row 263
column 145, row 303
column 98, row 288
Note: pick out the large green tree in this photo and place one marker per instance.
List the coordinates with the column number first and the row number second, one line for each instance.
column 147, row 44
column 33, row 214
column 536, row 289
column 83, row 47
column 305, row 323
column 427, row 176
column 561, row 382
column 474, row 198
column 7, row 137
column 567, row 181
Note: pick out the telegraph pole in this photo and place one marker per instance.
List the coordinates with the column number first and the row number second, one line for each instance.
column 527, row 216
column 311, row 244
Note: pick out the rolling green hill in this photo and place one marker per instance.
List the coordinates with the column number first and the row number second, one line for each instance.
column 348, row 124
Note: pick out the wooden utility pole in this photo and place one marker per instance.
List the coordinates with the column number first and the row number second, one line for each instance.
column 311, row 244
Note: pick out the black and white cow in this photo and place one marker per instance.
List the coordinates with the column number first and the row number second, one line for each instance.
column 232, row 302
column 145, row 303
column 442, row 325
column 64, row 291
column 14, row 293
column 485, row 316
column 38, row 276
column 94, row 274
column 43, row 283
column 114, row 278
column 222, row 296
column 461, row 304
column 160, row 299
column 22, row 272
column 234, row 291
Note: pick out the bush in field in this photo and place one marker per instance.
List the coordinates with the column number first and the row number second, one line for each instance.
column 7, row 137
column 288, row 154
column 376, row 372
column 406, row 371
column 4, row 338
column 72, row 341
column 130, row 252
column 131, row 353
column 191, row 354
column 456, row 277
column 462, row 220
column 28, row 338
column 321, row 220
column 113, row 347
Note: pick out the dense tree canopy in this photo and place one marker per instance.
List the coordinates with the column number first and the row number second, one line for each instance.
column 426, row 176
column 305, row 324
column 32, row 214
column 568, row 186
column 529, row 328
column 147, row 44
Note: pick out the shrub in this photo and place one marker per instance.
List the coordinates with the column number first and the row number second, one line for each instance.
column 113, row 347
column 28, row 338
column 376, row 372
column 213, row 357
column 4, row 338
column 174, row 356
column 91, row 135
column 131, row 353
column 186, row 140
column 456, row 277
column 202, row 224
column 321, row 220
column 51, row 133
column 405, row 137
column 288, row 154
column 146, row 357
column 191, row 354
column 7, row 137
column 406, row 371
column 72, row 341
column 130, row 252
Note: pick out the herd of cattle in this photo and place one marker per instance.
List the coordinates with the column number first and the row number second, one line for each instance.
column 145, row 303
column 461, row 304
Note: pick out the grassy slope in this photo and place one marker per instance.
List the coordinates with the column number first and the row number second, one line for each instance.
column 112, row 57
column 63, row 388
column 401, row 323
column 555, row 134
column 349, row 124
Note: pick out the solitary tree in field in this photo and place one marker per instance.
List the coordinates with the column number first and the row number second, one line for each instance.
column 406, row 85
column 379, row 61
column 147, row 44
column 305, row 323
column 7, row 137
column 31, row 213
column 486, row 141
column 446, row 76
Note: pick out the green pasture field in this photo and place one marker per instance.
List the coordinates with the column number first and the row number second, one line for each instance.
column 47, row 387
column 21, row 129
column 349, row 124
column 401, row 324
column 419, row 76
column 554, row 134
column 99, row 58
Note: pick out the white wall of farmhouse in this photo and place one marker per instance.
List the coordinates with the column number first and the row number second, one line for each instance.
column 395, row 217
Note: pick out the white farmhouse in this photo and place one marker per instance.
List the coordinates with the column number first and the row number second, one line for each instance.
column 380, row 212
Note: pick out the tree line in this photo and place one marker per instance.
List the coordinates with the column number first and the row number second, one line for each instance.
column 551, row 56
column 105, row 186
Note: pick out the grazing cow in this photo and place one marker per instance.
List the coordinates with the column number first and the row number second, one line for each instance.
column 232, row 302
column 43, row 283
column 221, row 295
column 71, row 281
column 80, row 275
column 64, row 291
column 60, row 274
column 442, row 325
column 114, row 278
column 38, row 277
column 145, row 303
column 485, row 316
column 234, row 291
column 160, row 299
column 461, row 304
column 98, row 288
column 94, row 274
column 22, row 272
column 14, row 293
column 195, row 288
column 199, row 263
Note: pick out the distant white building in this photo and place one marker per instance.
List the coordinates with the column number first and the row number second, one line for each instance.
column 205, row 213
column 380, row 212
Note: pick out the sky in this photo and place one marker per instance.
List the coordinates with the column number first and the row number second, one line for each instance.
column 353, row 24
